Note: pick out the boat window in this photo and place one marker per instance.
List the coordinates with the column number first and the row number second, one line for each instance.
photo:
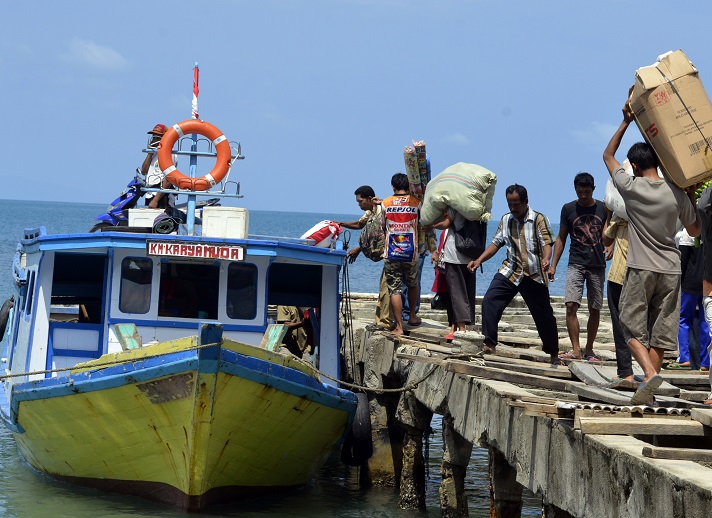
column 242, row 291
column 30, row 293
column 294, row 285
column 135, row 291
column 189, row 290
column 78, row 282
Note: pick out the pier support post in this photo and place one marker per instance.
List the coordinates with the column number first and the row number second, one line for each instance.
column 384, row 466
column 414, row 418
column 456, row 457
column 505, row 491
column 412, row 481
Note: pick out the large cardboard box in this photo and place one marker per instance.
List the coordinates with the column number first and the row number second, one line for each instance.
column 674, row 115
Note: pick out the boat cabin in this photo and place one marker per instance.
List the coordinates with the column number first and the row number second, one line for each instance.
column 74, row 293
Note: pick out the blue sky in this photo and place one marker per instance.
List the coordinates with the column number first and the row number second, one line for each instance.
column 324, row 94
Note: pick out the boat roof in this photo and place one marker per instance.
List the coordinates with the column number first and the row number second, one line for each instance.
column 255, row 246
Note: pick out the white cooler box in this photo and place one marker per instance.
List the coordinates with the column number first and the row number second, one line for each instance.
column 146, row 217
column 231, row 222
column 143, row 217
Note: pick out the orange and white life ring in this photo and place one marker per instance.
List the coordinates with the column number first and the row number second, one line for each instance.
column 165, row 160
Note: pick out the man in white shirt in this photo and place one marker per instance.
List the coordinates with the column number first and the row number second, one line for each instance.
column 153, row 174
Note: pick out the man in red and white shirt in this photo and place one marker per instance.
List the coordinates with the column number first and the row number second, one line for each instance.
column 400, row 214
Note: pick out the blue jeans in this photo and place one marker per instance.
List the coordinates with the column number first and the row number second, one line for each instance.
column 691, row 307
column 404, row 293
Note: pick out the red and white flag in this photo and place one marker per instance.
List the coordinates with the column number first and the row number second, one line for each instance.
column 195, row 91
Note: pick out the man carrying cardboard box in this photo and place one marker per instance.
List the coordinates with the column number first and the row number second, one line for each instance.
column 651, row 292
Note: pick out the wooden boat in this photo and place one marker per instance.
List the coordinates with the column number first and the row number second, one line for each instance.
column 145, row 363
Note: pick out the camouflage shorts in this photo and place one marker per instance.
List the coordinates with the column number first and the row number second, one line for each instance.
column 396, row 271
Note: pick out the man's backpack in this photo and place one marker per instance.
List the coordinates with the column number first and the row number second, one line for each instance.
column 470, row 238
column 373, row 238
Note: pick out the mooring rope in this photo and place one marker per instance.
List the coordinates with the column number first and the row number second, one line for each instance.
column 346, row 314
column 112, row 363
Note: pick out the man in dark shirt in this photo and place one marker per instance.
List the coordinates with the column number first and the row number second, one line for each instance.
column 584, row 220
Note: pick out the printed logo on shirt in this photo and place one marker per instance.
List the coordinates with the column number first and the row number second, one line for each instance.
column 587, row 229
column 401, row 247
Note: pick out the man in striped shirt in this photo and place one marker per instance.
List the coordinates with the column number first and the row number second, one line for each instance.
column 528, row 237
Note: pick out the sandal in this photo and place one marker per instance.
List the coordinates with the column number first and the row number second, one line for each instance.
column 592, row 358
column 450, row 337
column 568, row 356
column 678, row 366
column 414, row 324
column 489, row 349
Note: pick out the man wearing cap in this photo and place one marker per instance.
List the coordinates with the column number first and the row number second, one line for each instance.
column 153, row 174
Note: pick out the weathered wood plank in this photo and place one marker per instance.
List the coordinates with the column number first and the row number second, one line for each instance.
column 678, row 378
column 424, row 359
column 702, row 415
column 694, row 395
column 534, row 355
column 620, row 414
column 553, row 371
column 611, row 396
column 128, row 336
column 638, row 426
column 598, row 376
column 588, row 373
column 272, row 339
column 657, row 452
column 503, row 375
column 542, row 409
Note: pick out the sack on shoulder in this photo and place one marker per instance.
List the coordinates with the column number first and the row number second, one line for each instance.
column 373, row 239
column 470, row 238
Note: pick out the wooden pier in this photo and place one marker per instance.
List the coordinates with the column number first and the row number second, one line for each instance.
column 568, row 433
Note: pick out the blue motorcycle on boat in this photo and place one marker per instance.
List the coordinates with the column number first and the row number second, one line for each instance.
column 117, row 214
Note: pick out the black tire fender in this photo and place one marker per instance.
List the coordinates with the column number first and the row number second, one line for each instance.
column 358, row 443
column 5, row 314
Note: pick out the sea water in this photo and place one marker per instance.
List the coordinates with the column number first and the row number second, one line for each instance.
column 26, row 493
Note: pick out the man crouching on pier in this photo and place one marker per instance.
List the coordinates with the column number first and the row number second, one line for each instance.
column 528, row 237
column 651, row 292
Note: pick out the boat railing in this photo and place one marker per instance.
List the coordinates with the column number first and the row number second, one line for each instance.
column 293, row 240
column 208, row 150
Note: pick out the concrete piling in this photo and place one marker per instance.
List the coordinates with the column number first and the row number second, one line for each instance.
column 456, row 457
column 505, row 491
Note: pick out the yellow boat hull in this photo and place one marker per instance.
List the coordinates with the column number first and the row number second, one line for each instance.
column 206, row 432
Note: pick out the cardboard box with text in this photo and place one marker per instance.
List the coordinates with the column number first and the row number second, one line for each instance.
column 674, row 115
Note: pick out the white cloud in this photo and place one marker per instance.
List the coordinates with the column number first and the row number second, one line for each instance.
column 457, row 139
column 597, row 134
column 85, row 52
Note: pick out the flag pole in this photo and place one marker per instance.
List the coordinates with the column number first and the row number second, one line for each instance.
column 193, row 158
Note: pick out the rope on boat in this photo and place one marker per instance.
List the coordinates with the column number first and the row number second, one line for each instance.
column 411, row 385
column 346, row 311
column 408, row 386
